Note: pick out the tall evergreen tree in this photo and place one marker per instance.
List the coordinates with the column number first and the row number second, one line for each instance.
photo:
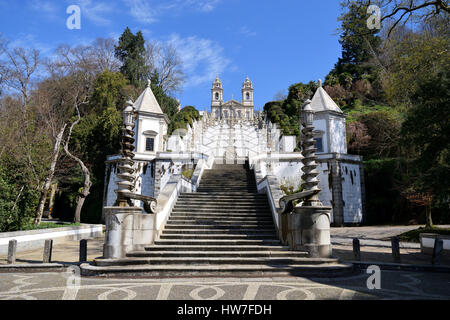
column 131, row 52
column 359, row 43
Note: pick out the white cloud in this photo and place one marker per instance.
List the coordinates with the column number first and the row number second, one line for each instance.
column 148, row 11
column 95, row 11
column 142, row 10
column 247, row 32
column 43, row 6
column 203, row 59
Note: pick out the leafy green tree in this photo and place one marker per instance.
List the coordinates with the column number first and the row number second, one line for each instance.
column 427, row 130
column 109, row 92
column 185, row 117
column 131, row 52
column 359, row 43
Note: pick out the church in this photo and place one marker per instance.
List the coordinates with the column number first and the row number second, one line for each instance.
column 234, row 133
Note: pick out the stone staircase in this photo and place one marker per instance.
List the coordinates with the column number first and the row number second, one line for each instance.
column 225, row 229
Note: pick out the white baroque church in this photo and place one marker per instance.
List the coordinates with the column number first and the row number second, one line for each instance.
column 233, row 132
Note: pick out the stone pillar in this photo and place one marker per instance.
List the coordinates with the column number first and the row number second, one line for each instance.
column 127, row 229
column 309, row 230
column 12, row 250
column 336, row 192
column 158, row 176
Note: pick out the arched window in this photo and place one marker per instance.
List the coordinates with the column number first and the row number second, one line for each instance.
column 217, row 96
column 225, row 113
column 247, row 96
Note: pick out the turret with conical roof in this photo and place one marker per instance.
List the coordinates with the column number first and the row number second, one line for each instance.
column 151, row 123
column 329, row 121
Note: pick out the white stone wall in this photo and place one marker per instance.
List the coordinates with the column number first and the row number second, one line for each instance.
column 338, row 140
column 148, row 124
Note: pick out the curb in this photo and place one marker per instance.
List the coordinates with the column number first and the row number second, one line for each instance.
column 35, row 267
column 401, row 267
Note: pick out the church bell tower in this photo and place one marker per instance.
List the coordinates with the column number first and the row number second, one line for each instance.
column 217, row 93
column 247, row 93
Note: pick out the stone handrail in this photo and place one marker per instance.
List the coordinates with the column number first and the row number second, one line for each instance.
column 150, row 203
column 286, row 203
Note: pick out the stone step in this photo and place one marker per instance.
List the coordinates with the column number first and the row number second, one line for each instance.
column 244, row 196
column 217, row 210
column 248, row 232
column 222, row 248
column 220, row 218
column 186, row 242
column 225, row 206
column 217, row 226
column 261, row 236
column 214, row 261
column 209, row 222
column 218, row 254
column 256, row 203
column 239, row 271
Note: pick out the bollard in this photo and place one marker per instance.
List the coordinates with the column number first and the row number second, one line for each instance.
column 437, row 251
column 356, row 250
column 48, row 251
column 395, row 249
column 83, row 250
column 12, row 249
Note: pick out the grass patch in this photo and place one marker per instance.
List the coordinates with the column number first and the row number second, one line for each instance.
column 188, row 173
column 49, row 225
column 413, row 235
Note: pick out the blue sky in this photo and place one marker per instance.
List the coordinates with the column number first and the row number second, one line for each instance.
column 275, row 42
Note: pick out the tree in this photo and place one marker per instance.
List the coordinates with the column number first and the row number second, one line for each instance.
column 427, row 130
column 163, row 59
column 131, row 52
column 411, row 59
column 406, row 10
column 359, row 44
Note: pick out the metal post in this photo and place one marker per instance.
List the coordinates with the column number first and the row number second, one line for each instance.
column 356, row 250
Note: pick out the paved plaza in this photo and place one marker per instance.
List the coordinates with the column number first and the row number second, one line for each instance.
column 60, row 286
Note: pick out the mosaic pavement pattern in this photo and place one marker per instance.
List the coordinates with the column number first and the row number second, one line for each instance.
column 66, row 286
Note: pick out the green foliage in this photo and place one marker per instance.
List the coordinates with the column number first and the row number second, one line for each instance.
column 414, row 235
column 109, row 92
column 358, row 43
column 11, row 183
column 384, row 202
column 286, row 113
column 49, row 225
column 131, row 52
column 427, row 131
column 185, row 117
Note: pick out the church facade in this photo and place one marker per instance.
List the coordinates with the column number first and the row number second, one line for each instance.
column 234, row 133
column 243, row 110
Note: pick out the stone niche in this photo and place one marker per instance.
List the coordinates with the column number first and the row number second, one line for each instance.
column 128, row 229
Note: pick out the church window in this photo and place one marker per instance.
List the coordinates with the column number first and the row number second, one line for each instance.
column 217, row 114
column 150, row 144
column 217, row 96
column 319, row 144
column 247, row 96
column 239, row 114
column 248, row 114
column 225, row 114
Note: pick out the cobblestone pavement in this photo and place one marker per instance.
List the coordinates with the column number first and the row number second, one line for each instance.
column 61, row 286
